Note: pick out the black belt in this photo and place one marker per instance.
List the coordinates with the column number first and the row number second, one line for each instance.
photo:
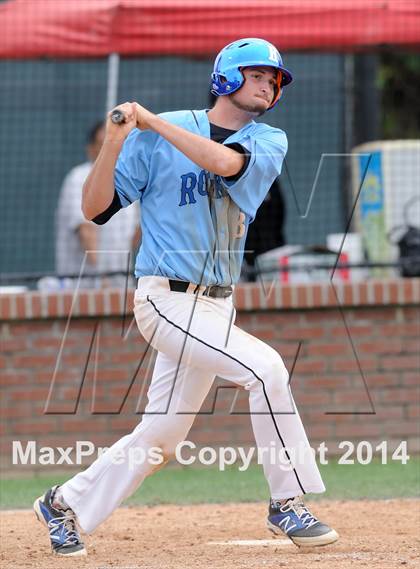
column 214, row 291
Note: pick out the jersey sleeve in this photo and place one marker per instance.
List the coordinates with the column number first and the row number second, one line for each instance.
column 132, row 168
column 267, row 151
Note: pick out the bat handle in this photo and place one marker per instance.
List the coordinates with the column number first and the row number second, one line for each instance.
column 117, row 117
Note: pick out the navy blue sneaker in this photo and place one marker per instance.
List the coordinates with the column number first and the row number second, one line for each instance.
column 61, row 524
column 293, row 518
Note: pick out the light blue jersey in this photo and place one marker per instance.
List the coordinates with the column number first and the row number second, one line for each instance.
column 194, row 223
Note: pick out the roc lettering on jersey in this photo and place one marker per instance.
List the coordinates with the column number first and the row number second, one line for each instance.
column 203, row 185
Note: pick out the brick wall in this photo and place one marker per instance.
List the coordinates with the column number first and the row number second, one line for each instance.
column 354, row 350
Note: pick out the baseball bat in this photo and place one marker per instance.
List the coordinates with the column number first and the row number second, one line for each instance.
column 117, row 117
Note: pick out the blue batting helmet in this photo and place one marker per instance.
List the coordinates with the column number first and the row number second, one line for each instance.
column 227, row 77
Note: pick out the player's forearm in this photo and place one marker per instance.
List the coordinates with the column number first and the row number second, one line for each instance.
column 98, row 189
column 204, row 152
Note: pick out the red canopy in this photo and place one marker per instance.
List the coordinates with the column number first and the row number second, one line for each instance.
column 71, row 28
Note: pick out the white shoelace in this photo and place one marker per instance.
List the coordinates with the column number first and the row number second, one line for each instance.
column 68, row 522
column 300, row 510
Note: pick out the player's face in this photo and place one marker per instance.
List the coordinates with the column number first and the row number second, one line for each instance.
column 257, row 93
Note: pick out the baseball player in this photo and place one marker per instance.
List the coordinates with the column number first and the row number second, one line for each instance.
column 200, row 177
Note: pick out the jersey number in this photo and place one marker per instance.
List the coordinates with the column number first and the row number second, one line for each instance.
column 240, row 229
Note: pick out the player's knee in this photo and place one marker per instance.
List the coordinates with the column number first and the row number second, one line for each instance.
column 273, row 374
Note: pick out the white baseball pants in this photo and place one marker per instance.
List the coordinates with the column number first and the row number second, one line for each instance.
column 196, row 340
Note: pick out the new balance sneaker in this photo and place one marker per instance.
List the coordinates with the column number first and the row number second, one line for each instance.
column 61, row 524
column 292, row 517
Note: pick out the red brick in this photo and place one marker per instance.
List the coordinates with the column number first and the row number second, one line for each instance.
column 301, row 296
column 275, row 318
column 34, row 428
column 114, row 301
column 286, row 296
column 411, row 346
column 376, row 314
column 36, row 305
column 310, row 366
column 348, row 294
column 401, row 362
column 317, row 295
column 357, row 395
column 20, row 306
column 410, row 379
column 5, row 307
column 33, row 361
column 99, row 303
column 77, row 360
column 83, row 303
column 363, row 294
column 351, row 365
column 61, row 377
column 378, row 292
column 255, row 297
column 327, row 349
column 403, row 428
column 412, row 313
column 312, row 317
column 382, row 380
column 336, row 382
column 408, row 289
column 52, row 305
column 270, row 296
column 129, row 302
column 239, row 297
column 15, row 412
column 390, row 412
column 393, row 292
column 55, row 343
column 119, row 374
column 67, row 302
column 126, row 357
column 404, row 330
column 396, row 396
column 355, row 330
column 385, row 346
column 126, row 424
column 14, row 345
column 413, row 411
column 319, row 432
column 332, row 296
column 29, row 395
column 26, row 328
column 314, row 398
column 360, row 429
column 95, row 423
column 285, row 349
column 295, row 333
column 12, row 378
column 266, row 334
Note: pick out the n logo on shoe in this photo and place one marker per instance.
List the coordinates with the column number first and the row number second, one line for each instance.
column 288, row 524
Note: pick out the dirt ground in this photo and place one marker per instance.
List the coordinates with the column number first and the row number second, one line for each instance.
column 376, row 534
